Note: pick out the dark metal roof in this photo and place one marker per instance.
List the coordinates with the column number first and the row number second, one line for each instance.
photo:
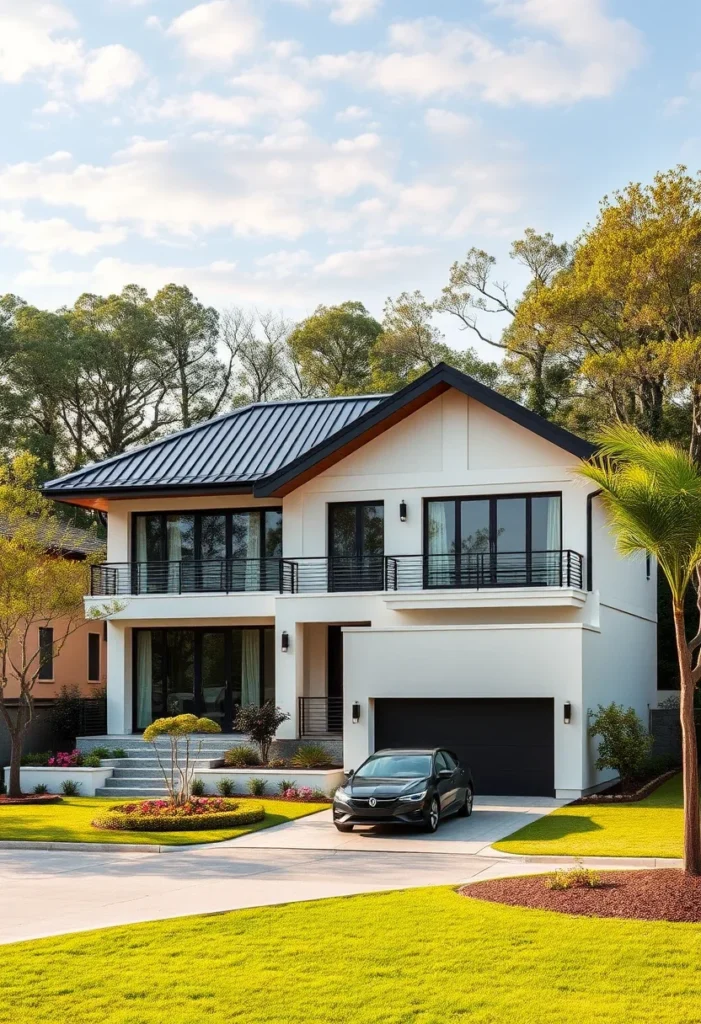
column 233, row 450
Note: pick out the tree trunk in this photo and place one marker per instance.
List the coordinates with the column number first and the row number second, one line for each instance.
column 690, row 765
column 695, row 444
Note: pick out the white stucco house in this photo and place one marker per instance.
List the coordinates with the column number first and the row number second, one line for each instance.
column 425, row 568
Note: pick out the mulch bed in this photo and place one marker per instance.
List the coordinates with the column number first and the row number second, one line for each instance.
column 658, row 895
column 615, row 794
column 34, row 798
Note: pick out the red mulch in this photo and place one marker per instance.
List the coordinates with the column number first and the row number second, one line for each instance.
column 659, row 895
column 32, row 798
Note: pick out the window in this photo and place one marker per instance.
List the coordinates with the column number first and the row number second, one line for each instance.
column 46, row 653
column 94, row 657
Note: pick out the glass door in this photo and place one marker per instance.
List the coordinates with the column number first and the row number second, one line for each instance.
column 215, row 700
column 356, row 546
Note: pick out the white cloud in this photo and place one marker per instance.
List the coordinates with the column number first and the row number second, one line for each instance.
column 345, row 12
column 565, row 51
column 36, row 37
column 53, row 107
column 353, row 113
column 447, row 122
column 363, row 263
column 108, row 71
column 675, row 104
column 54, row 235
column 285, row 262
column 264, row 94
column 218, row 32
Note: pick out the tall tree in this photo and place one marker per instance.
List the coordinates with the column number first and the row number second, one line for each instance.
column 332, row 348
column 652, row 494
column 472, row 295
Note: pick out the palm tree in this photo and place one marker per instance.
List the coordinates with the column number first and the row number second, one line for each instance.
column 651, row 491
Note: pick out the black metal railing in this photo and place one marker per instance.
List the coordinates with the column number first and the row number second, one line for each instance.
column 320, row 716
column 477, row 571
column 341, row 574
column 225, row 575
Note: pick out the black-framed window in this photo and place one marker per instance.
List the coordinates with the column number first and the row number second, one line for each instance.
column 46, row 652
column 204, row 671
column 493, row 540
column 356, row 544
column 94, row 641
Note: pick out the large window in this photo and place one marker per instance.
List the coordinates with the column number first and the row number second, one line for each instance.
column 502, row 541
column 202, row 671
column 46, row 653
column 215, row 551
column 94, row 642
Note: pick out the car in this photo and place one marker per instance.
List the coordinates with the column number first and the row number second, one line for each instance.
column 404, row 787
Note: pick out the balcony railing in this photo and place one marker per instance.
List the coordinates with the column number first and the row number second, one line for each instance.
column 320, row 716
column 341, row 574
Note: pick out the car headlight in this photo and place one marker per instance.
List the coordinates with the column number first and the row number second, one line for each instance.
column 342, row 796
column 414, row 798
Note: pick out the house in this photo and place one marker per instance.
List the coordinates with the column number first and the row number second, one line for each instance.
column 82, row 660
column 420, row 568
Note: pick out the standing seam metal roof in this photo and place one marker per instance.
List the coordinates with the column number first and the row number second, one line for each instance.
column 237, row 448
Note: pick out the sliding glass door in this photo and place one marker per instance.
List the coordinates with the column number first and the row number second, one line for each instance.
column 202, row 671
column 493, row 541
column 356, row 546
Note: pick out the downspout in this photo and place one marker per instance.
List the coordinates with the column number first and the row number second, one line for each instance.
column 590, row 541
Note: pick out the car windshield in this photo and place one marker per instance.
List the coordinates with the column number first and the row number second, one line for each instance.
column 396, row 766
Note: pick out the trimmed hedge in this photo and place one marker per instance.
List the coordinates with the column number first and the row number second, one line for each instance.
column 117, row 821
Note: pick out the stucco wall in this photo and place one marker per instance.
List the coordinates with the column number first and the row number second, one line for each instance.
column 70, row 667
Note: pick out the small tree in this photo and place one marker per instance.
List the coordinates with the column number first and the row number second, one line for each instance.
column 625, row 744
column 261, row 723
column 179, row 778
column 38, row 588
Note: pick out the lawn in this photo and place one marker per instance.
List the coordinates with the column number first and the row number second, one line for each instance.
column 649, row 828
column 69, row 822
column 424, row 956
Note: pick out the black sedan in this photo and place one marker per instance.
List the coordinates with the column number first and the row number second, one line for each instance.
column 404, row 787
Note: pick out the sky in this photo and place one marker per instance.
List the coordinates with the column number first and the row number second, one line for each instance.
column 279, row 154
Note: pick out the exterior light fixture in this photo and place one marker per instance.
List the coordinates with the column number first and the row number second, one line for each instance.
column 567, row 716
column 285, row 642
column 356, row 713
column 402, row 512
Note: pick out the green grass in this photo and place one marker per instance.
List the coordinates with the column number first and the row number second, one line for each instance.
column 69, row 822
column 425, row 956
column 649, row 828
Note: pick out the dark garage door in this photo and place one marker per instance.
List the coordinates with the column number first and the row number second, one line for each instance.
column 508, row 744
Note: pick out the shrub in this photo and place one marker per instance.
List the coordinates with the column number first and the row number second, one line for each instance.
column 197, row 787
column 100, row 752
column 277, row 762
column 70, row 788
column 162, row 816
column 118, row 752
column 66, row 759
column 91, row 761
column 65, row 714
column 625, row 745
column 261, row 724
column 179, row 777
column 574, row 878
column 244, row 756
column 285, row 785
column 36, row 760
column 311, row 755
column 225, row 787
column 256, row 787
column 40, row 789
column 304, row 794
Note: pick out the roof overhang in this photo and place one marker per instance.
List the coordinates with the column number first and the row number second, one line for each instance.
column 397, row 408
column 99, row 499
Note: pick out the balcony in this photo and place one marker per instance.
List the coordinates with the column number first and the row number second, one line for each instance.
column 373, row 573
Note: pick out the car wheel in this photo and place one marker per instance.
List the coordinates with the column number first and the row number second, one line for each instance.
column 343, row 827
column 432, row 816
column 466, row 809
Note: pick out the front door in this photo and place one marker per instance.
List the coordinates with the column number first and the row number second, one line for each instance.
column 356, row 546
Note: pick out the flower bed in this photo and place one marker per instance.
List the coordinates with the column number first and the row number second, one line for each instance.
column 316, row 780
column 163, row 816
column 87, row 779
column 28, row 800
column 620, row 797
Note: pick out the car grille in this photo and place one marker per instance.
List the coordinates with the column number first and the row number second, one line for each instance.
column 382, row 801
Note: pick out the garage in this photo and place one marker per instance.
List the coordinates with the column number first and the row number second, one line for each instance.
column 508, row 743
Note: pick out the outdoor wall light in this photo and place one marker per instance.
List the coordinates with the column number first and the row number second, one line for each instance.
column 285, row 642
column 567, row 716
column 356, row 713
column 402, row 512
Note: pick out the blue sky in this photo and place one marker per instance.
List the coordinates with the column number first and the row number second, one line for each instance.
column 283, row 153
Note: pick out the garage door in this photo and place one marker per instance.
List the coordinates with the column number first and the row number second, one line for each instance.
column 508, row 744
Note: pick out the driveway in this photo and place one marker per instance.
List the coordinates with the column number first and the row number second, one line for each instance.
column 45, row 893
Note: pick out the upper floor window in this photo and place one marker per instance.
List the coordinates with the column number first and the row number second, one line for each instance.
column 209, row 535
column 46, row 652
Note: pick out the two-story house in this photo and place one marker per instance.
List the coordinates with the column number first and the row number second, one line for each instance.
column 424, row 568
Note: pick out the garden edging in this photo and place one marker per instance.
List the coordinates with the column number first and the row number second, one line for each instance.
column 325, row 779
column 89, row 779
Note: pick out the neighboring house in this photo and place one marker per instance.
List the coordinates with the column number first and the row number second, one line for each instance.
column 82, row 660
column 424, row 568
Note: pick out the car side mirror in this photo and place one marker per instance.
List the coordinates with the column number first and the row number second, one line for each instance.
column 350, row 774
column 445, row 773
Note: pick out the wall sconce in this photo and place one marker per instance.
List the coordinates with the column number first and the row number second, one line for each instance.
column 402, row 512
column 285, row 642
column 567, row 716
column 356, row 713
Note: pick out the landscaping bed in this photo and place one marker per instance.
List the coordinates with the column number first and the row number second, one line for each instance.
column 664, row 895
column 198, row 814
column 616, row 793
column 28, row 799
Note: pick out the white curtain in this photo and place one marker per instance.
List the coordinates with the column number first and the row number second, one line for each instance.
column 175, row 553
column 253, row 552
column 144, row 679
column 141, row 554
column 250, row 667
column 439, row 567
column 553, row 542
